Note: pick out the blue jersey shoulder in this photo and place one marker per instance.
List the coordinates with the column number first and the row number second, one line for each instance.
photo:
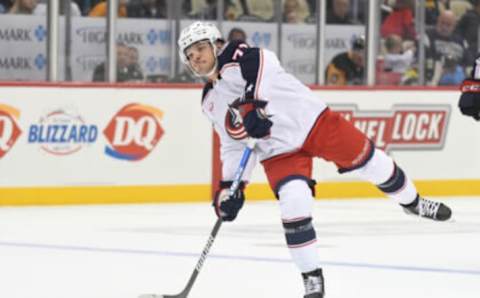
column 232, row 52
column 249, row 60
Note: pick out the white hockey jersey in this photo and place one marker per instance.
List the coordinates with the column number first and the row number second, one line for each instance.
column 256, row 73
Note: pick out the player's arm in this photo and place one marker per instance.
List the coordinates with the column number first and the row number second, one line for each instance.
column 252, row 107
column 226, row 206
column 231, row 153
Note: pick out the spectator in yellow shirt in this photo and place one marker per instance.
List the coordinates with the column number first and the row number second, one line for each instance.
column 100, row 10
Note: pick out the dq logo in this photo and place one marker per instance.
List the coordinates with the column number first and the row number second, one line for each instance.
column 9, row 130
column 133, row 132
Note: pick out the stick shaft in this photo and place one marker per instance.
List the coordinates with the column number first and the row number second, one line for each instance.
column 203, row 257
column 233, row 188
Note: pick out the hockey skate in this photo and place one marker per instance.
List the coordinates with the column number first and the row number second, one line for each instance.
column 428, row 209
column 314, row 284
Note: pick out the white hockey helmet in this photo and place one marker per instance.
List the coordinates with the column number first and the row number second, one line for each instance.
column 196, row 32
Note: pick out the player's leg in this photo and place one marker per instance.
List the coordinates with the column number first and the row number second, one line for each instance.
column 296, row 204
column 381, row 170
column 335, row 139
column 289, row 177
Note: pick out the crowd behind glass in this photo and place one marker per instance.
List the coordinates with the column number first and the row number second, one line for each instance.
column 449, row 37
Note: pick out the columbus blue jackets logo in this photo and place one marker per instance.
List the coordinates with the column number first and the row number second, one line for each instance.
column 233, row 122
column 62, row 131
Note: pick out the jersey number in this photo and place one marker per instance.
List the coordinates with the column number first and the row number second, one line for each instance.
column 239, row 51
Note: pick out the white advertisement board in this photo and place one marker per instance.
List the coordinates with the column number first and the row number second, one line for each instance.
column 423, row 131
column 141, row 136
column 102, row 136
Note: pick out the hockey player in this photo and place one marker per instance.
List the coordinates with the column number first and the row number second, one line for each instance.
column 469, row 103
column 249, row 94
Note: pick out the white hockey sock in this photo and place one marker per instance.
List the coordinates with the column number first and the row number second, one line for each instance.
column 306, row 257
column 399, row 187
column 296, row 204
column 382, row 171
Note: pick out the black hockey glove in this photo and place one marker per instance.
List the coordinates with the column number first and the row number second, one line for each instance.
column 255, row 119
column 469, row 102
column 227, row 206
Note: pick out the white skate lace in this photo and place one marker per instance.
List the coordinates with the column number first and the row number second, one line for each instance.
column 427, row 208
column 313, row 284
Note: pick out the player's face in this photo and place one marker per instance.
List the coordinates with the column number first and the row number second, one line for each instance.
column 201, row 57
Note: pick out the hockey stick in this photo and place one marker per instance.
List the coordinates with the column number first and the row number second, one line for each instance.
column 233, row 188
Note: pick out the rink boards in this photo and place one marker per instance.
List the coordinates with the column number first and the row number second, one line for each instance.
column 65, row 144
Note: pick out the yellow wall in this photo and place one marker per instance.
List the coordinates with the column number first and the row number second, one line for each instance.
column 201, row 192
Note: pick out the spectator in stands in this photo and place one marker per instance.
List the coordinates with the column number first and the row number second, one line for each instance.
column 241, row 10
column 468, row 27
column 23, row 7
column 124, row 72
column 312, row 6
column 100, row 10
column 400, row 21
column 41, row 8
column 262, row 8
column 348, row 68
column 396, row 67
column 253, row 10
column 396, row 58
column 208, row 10
column 339, row 13
column 433, row 8
column 460, row 7
column 147, row 9
column 83, row 5
column 133, row 55
column 5, row 6
column 453, row 73
column 386, row 8
column 237, row 34
column 134, row 68
column 294, row 11
column 442, row 42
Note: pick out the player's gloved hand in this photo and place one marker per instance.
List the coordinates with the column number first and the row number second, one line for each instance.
column 469, row 102
column 226, row 206
column 255, row 119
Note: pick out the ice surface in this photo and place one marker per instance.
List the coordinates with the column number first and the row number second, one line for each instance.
column 369, row 248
